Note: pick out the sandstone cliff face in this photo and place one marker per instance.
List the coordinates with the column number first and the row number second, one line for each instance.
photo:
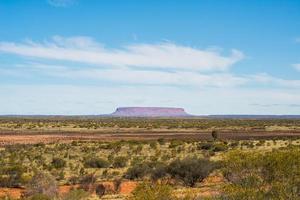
column 149, row 112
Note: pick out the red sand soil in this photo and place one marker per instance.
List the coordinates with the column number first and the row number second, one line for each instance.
column 7, row 138
column 126, row 187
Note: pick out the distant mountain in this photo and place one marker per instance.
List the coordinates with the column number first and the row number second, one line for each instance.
column 150, row 112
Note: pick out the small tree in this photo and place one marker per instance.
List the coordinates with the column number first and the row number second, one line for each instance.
column 100, row 190
column 215, row 134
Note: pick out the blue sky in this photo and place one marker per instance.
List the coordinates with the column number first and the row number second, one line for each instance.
column 89, row 57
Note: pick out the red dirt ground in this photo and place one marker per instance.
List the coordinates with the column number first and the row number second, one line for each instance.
column 126, row 187
column 10, row 137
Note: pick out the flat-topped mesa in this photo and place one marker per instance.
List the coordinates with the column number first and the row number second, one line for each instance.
column 149, row 112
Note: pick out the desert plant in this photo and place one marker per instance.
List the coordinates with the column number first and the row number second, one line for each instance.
column 95, row 163
column 87, row 182
column 42, row 183
column 58, row 163
column 100, row 190
column 150, row 191
column 76, row 194
column 138, row 171
column 190, row 170
column 215, row 134
column 120, row 162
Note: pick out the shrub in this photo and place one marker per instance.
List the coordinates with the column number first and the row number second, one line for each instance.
column 219, row 147
column 272, row 175
column 205, row 146
column 190, row 170
column 215, row 134
column 42, row 183
column 161, row 141
column 76, row 194
column 100, row 190
column 58, row 163
column 13, row 176
column 120, row 162
column 87, row 182
column 95, row 163
column 153, row 144
column 152, row 191
column 159, row 171
column 39, row 197
column 138, row 171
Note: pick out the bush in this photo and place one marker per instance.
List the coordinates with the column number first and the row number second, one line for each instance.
column 39, row 197
column 159, row 171
column 152, row 191
column 13, row 176
column 100, row 190
column 190, row 170
column 205, row 146
column 76, row 194
column 87, row 182
column 272, row 175
column 96, row 163
column 58, row 163
column 219, row 147
column 138, row 171
column 42, row 183
column 120, row 162
column 215, row 134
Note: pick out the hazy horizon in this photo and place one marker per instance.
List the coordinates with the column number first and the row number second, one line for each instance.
column 75, row 57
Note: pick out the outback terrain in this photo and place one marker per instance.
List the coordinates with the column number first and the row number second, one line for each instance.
column 149, row 158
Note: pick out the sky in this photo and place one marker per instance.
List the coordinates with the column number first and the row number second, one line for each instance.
column 88, row 57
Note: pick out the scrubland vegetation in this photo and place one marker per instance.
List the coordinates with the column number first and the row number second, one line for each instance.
column 191, row 169
column 94, row 123
column 248, row 169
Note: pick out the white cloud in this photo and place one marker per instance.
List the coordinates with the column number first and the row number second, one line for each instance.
column 271, row 80
column 163, row 55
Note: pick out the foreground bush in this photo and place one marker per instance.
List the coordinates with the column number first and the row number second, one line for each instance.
column 149, row 191
column 191, row 170
column 11, row 176
column 272, row 175
column 76, row 194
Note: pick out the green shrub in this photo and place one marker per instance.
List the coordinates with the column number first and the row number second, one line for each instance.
column 11, row 176
column 96, row 163
column 120, row 162
column 138, row 171
column 219, row 147
column 76, row 194
column 190, row 170
column 205, row 146
column 215, row 134
column 58, row 163
column 39, row 197
column 42, row 183
column 150, row 191
column 272, row 175
column 87, row 182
